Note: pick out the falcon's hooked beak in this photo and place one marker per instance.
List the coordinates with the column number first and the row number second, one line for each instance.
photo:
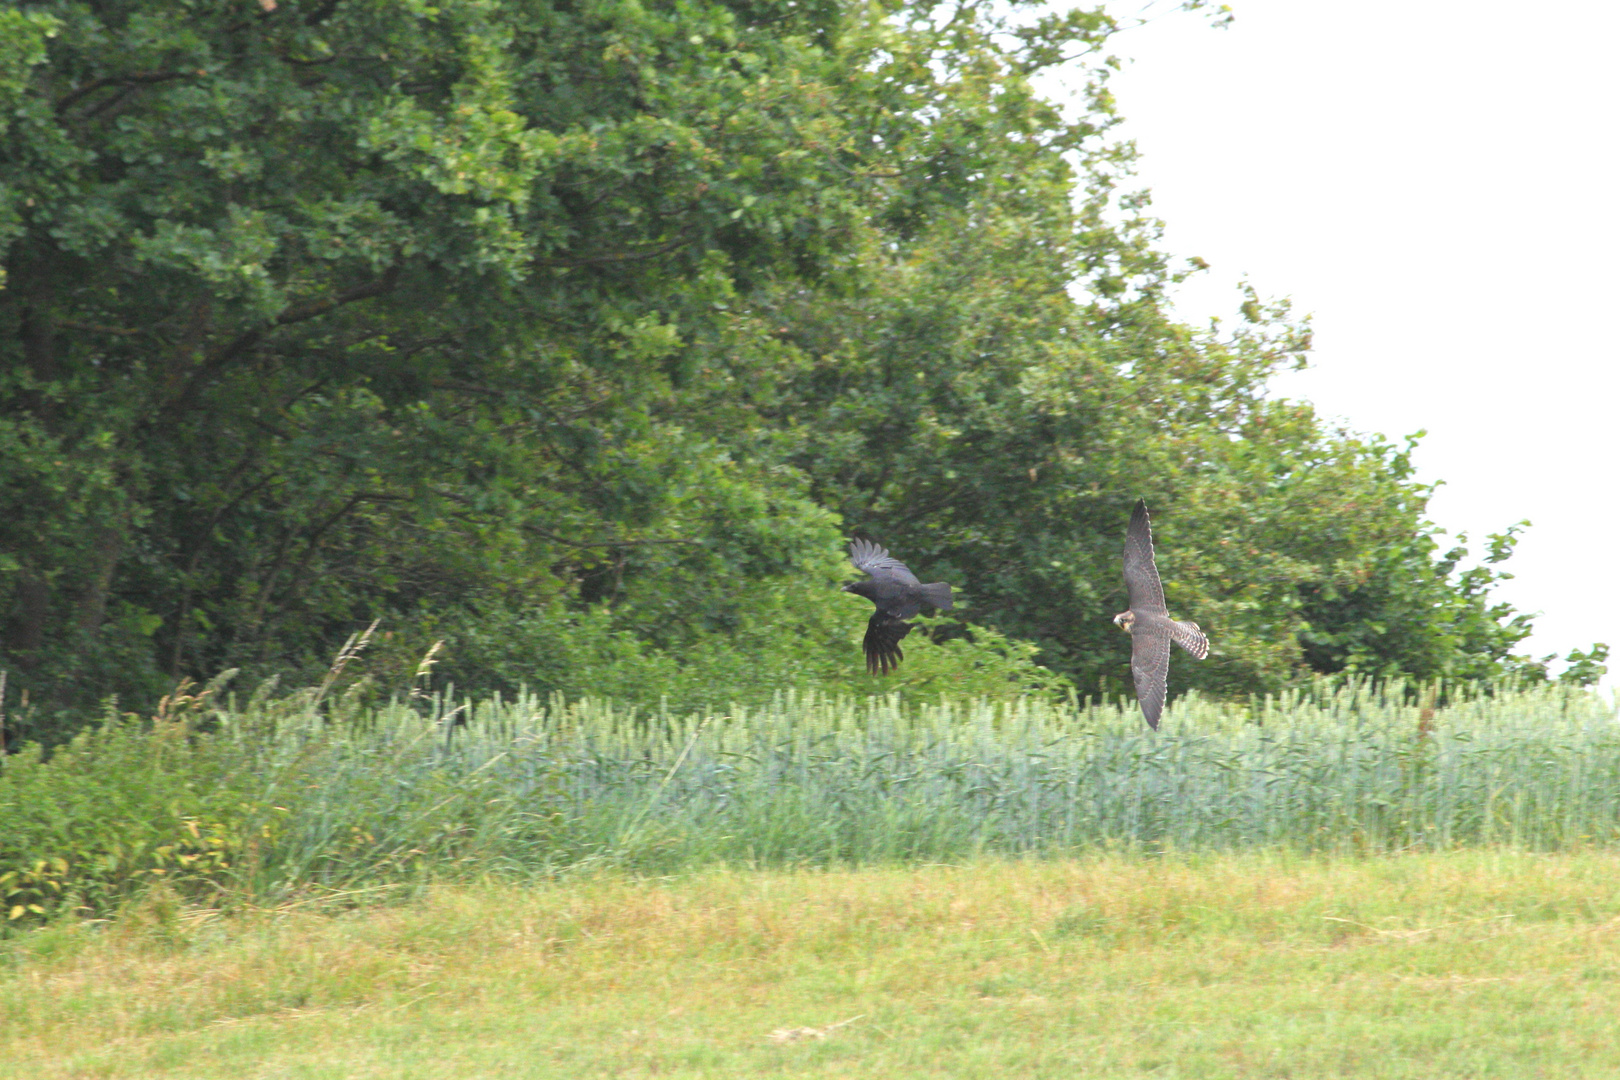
column 1125, row 620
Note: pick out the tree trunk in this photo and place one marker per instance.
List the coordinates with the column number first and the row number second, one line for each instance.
column 92, row 605
column 28, row 624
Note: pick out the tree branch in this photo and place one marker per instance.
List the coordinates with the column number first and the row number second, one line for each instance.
column 132, row 79
column 244, row 341
column 453, row 497
column 620, row 256
column 603, row 543
column 363, row 291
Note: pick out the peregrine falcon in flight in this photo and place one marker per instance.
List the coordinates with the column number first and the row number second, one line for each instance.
column 1148, row 621
column 898, row 596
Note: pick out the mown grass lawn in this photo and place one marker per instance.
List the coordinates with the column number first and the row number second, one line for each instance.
column 1472, row 964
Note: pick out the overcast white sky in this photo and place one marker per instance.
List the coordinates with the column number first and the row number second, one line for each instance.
column 1436, row 182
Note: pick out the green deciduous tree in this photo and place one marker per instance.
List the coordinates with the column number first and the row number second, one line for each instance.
column 357, row 305
column 1004, row 383
column 585, row 329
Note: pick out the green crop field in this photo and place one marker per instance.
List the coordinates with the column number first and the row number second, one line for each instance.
column 280, row 800
column 1463, row 964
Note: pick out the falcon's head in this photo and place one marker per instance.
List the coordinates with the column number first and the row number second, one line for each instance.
column 1125, row 620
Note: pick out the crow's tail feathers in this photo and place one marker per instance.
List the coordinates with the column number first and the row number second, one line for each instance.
column 938, row 594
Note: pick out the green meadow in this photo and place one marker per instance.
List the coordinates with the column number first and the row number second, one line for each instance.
column 1480, row 963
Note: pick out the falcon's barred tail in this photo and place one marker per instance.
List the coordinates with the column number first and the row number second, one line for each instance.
column 938, row 594
column 1189, row 637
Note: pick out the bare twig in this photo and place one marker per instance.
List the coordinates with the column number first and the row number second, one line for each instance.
column 787, row 1035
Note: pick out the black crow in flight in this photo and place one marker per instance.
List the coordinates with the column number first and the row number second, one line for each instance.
column 898, row 596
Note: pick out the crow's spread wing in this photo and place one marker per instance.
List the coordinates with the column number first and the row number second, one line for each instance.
column 882, row 642
column 879, row 563
column 1141, row 576
column 1150, row 664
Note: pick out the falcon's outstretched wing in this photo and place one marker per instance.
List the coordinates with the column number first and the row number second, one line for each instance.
column 882, row 642
column 1150, row 664
column 1141, row 576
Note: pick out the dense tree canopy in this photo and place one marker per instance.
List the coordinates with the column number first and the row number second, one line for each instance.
column 538, row 325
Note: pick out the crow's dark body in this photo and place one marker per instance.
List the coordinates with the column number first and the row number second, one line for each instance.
column 1148, row 620
column 898, row 595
